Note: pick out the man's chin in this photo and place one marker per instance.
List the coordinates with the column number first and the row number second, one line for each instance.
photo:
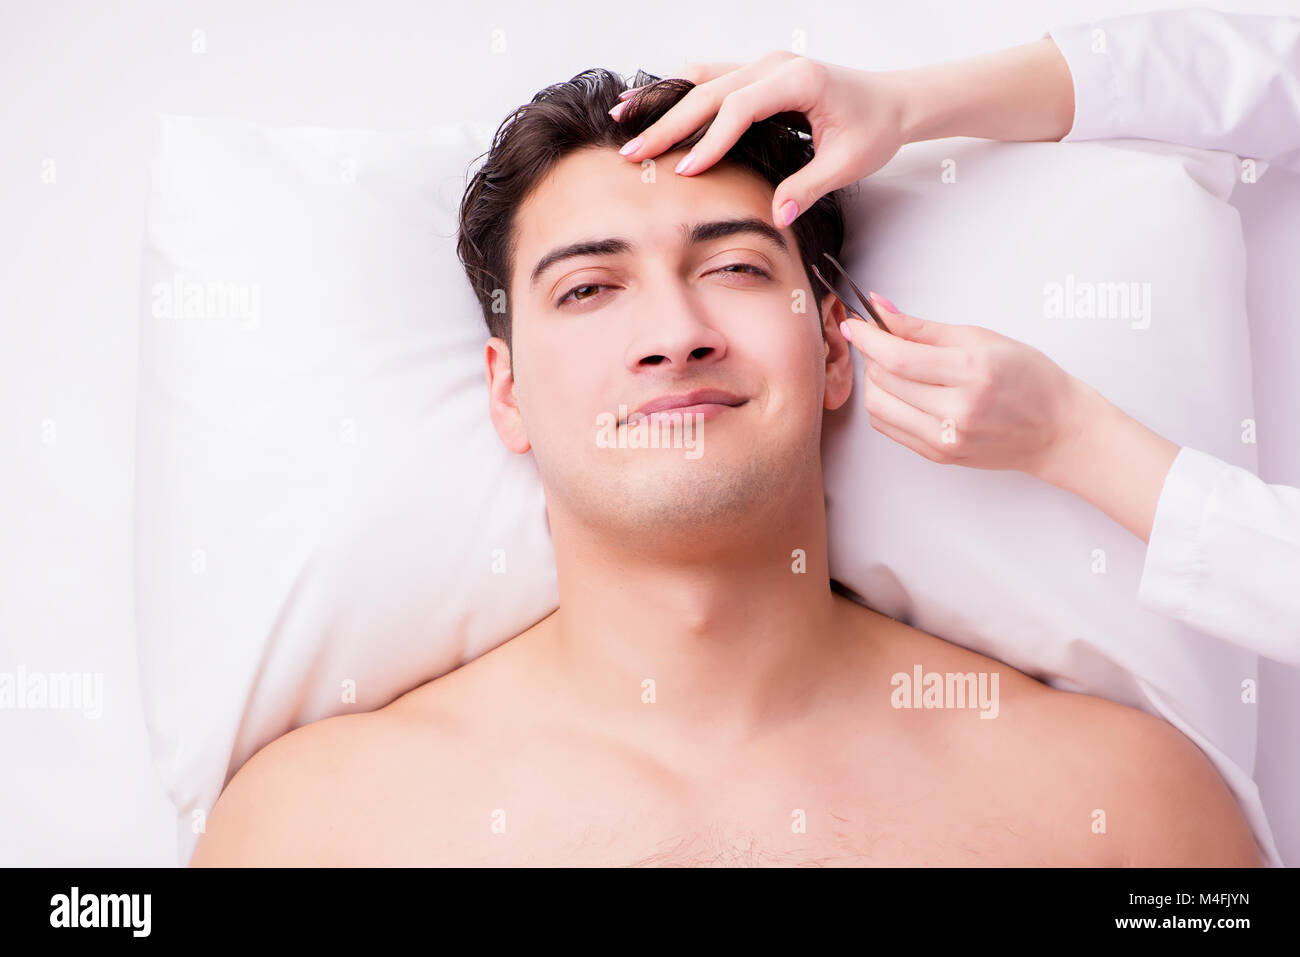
column 725, row 487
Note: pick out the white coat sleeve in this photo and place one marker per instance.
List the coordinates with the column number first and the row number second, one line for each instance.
column 1198, row 77
column 1224, row 556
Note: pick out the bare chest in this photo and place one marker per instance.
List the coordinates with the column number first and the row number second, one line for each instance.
column 598, row 814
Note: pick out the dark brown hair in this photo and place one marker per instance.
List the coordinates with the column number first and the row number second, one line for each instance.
column 574, row 115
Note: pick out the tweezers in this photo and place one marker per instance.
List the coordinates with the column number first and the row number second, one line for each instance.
column 856, row 291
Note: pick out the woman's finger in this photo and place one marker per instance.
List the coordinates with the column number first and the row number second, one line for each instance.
column 699, row 106
column 918, row 361
column 792, row 87
column 882, row 404
column 937, row 400
column 906, row 439
column 833, row 165
column 697, row 73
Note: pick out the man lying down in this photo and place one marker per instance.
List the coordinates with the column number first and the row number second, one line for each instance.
column 703, row 694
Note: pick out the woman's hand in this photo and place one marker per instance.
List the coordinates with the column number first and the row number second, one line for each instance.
column 860, row 118
column 965, row 395
column 855, row 118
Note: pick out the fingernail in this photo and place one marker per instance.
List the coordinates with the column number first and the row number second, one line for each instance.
column 626, row 93
column 789, row 210
column 882, row 301
column 844, row 331
column 631, row 146
column 686, row 162
column 616, row 110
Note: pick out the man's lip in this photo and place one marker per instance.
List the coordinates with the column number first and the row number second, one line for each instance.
column 667, row 403
column 703, row 411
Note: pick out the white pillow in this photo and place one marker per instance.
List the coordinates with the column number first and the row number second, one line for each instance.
column 326, row 517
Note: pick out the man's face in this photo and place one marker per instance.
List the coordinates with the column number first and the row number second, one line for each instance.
column 662, row 317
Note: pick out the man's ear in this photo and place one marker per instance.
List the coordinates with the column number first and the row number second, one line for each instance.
column 839, row 354
column 502, row 405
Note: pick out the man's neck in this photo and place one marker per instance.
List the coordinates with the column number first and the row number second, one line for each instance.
column 715, row 645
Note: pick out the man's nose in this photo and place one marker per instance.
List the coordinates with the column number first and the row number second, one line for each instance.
column 675, row 329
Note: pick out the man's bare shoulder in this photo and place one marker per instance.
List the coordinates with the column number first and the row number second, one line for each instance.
column 310, row 793
column 1125, row 787
column 308, row 797
column 1146, row 793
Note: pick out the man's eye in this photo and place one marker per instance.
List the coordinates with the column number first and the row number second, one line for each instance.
column 585, row 285
column 751, row 268
column 748, row 269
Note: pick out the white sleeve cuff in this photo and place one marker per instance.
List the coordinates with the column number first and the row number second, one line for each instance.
column 1224, row 556
column 1096, row 88
column 1176, row 565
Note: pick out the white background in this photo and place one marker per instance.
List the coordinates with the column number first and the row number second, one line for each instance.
column 81, row 83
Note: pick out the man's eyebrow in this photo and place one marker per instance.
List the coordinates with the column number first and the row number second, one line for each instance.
column 693, row 234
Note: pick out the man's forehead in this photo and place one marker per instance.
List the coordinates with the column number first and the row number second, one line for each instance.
column 588, row 188
column 597, row 193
